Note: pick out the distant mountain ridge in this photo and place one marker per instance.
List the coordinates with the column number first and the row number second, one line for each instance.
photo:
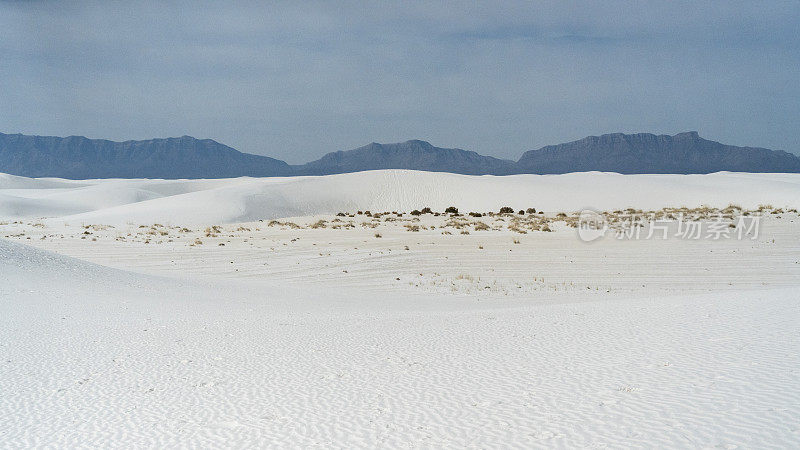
column 77, row 157
column 414, row 155
column 682, row 153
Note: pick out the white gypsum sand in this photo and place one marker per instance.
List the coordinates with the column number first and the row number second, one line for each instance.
column 128, row 332
column 205, row 202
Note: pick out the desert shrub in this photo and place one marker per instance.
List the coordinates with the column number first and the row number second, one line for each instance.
column 531, row 210
column 318, row 224
column 341, row 214
column 545, row 227
column 413, row 228
column 475, row 214
column 360, row 213
column 378, row 235
column 451, row 210
column 506, row 210
column 426, row 210
column 521, row 212
column 416, row 212
column 561, row 214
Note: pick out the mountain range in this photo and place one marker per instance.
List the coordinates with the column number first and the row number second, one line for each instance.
column 77, row 157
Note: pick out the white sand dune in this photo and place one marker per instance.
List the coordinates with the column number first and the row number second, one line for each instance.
column 247, row 199
column 99, row 357
column 251, row 335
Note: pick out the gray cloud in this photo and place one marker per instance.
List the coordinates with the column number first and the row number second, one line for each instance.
column 294, row 80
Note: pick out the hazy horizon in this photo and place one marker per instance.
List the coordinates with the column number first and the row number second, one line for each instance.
column 294, row 82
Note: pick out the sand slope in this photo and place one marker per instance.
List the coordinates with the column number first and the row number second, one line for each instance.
column 246, row 199
column 98, row 357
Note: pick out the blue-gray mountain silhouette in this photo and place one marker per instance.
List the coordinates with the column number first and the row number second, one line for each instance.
column 77, row 157
column 186, row 157
column 415, row 154
column 649, row 153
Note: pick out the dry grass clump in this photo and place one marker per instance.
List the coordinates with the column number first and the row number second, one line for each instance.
column 213, row 231
column 732, row 208
column 517, row 229
column 480, row 226
column 275, row 223
column 457, row 222
column 413, row 228
column 319, row 224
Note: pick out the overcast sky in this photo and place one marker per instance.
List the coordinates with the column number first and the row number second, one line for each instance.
column 294, row 80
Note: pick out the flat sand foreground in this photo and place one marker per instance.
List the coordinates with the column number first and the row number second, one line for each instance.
column 94, row 356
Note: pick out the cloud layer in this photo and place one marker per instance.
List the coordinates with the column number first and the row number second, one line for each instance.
column 295, row 80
